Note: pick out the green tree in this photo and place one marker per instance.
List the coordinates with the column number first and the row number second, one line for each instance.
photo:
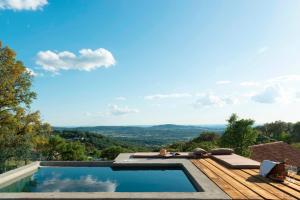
column 40, row 145
column 73, row 151
column 277, row 130
column 239, row 135
column 262, row 138
column 207, row 136
column 17, row 124
column 15, row 83
column 206, row 140
column 57, row 148
column 112, row 152
column 296, row 132
column 53, row 148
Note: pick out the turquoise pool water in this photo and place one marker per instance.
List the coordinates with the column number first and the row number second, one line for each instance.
column 103, row 179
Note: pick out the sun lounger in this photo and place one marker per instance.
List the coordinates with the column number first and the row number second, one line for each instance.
column 156, row 155
column 237, row 162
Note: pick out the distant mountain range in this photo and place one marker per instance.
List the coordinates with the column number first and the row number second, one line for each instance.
column 150, row 136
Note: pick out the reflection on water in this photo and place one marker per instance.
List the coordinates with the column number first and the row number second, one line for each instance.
column 84, row 184
column 20, row 186
column 56, row 181
column 102, row 179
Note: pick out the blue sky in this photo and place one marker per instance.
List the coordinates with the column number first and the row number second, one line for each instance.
column 152, row 62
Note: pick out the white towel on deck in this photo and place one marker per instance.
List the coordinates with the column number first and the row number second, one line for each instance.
column 266, row 166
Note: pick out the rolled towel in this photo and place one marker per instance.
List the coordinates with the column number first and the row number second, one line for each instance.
column 266, row 166
column 199, row 151
column 222, row 151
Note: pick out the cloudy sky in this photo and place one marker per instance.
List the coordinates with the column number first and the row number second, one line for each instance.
column 152, row 62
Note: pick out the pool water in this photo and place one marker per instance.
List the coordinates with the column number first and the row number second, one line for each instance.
column 103, row 179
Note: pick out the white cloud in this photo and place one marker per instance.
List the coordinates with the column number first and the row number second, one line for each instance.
column 31, row 72
column 272, row 94
column 112, row 110
column 280, row 89
column 263, row 50
column 83, row 184
column 87, row 60
column 165, row 96
column 223, row 82
column 117, row 110
column 209, row 99
column 285, row 78
column 249, row 83
column 229, row 100
column 120, row 98
column 275, row 80
column 22, row 4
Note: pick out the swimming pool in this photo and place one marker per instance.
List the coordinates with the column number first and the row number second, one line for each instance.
column 104, row 179
column 123, row 178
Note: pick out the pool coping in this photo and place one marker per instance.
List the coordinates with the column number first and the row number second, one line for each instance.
column 18, row 173
column 200, row 181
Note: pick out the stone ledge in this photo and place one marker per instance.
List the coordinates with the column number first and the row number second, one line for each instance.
column 7, row 177
column 111, row 195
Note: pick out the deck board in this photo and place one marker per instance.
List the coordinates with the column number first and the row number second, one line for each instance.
column 236, row 184
column 251, row 186
column 231, row 191
column 297, row 177
column 278, row 193
column 279, row 186
column 246, row 183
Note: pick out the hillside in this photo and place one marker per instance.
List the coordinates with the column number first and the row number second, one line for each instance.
column 96, row 140
column 150, row 136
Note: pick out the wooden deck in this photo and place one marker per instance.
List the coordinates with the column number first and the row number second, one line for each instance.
column 246, row 183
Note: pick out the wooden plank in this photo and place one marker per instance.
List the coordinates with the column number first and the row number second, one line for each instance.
column 256, row 189
column 294, row 181
column 236, row 184
column 227, row 188
column 280, row 186
column 278, row 193
column 296, row 177
column 294, row 186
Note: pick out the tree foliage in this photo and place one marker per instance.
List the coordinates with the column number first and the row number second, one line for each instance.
column 73, row 151
column 206, row 140
column 239, row 135
column 207, row 136
column 279, row 131
column 18, row 125
column 112, row 152
column 57, row 148
column 295, row 134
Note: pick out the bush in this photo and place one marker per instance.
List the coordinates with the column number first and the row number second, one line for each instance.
column 73, row 151
column 207, row 137
column 111, row 153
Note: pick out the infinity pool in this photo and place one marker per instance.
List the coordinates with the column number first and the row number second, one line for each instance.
column 104, row 179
